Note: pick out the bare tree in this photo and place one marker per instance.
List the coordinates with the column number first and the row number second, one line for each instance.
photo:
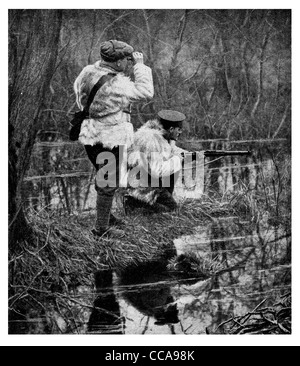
column 33, row 46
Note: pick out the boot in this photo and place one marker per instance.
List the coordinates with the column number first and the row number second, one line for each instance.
column 167, row 200
column 109, row 233
column 130, row 204
column 116, row 221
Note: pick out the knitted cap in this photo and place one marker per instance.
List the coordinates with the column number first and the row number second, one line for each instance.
column 114, row 50
column 169, row 118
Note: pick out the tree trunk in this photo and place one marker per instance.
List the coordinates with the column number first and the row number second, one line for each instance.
column 174, row 76
column 260, row 76
column 33, row 48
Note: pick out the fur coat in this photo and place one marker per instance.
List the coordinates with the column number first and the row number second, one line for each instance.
column 152, row 152
column 108, row 123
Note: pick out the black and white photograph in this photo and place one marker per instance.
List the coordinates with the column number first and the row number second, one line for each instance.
column 149, row 173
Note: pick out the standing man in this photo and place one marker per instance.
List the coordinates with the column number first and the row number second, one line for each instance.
column 108, row 127
column 157, row 160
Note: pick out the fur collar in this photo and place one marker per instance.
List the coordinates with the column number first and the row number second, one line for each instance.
column 153, row 124
column 150, row 137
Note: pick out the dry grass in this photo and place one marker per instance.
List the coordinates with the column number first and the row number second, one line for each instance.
column 64, row 253
column 274, row 319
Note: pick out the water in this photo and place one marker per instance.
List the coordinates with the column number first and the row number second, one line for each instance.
column 61, row 178
column 252, row 259
column 151, row 301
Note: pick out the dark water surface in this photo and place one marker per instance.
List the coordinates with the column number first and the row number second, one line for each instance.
column 150, row 301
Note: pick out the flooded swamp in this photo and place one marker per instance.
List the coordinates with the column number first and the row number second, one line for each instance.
column 227, row 264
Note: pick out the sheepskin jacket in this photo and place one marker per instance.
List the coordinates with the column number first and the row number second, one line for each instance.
column 153, row 152
column 108, row 123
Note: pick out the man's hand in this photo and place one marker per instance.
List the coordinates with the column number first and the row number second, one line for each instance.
column 138, row 57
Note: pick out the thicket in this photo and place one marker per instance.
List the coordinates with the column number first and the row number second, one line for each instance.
column 229, row 71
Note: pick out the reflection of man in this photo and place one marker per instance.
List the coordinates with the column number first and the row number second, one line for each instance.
column 150, row 297
column 155, row 152
column 108, row 126
column 157, row 303
column 105, row 317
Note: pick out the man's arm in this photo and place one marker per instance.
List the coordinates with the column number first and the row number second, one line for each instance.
column 178, row 150
column 142, row 86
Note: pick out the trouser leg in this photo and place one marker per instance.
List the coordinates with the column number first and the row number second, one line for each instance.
column 168, row 183
column 166, row 196
column 103, row 208
column 105, row 184
column 170, row 189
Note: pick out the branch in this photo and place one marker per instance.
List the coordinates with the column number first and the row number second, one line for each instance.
column 282, row 121
column 149, row 35
column 178, row 40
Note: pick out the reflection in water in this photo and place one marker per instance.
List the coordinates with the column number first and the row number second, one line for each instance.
column 251, row 266
column 147, row 289
column 261, row 271
column 76, row 191
column 105, row 317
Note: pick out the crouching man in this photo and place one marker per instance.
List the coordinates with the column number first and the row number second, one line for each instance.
column 155, row 162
